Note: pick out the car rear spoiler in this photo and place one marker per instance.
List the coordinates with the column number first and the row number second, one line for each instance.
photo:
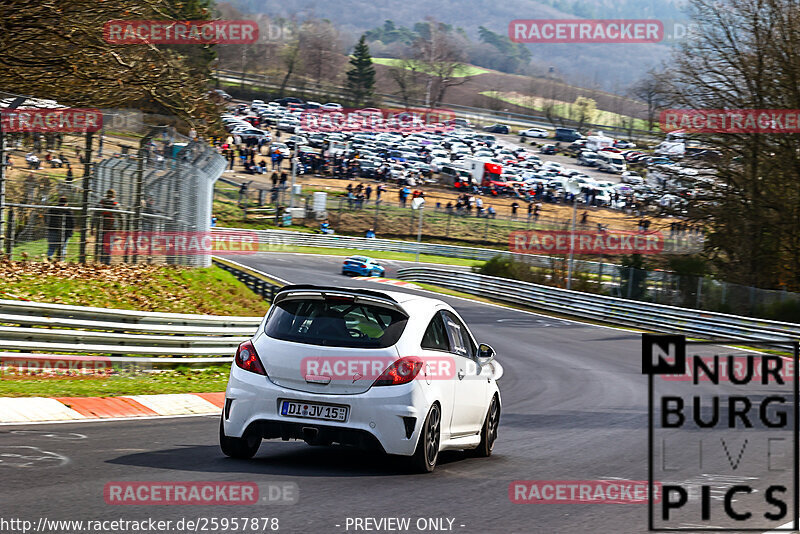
column 324, row 291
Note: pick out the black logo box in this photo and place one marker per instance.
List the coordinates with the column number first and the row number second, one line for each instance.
column 674, row 348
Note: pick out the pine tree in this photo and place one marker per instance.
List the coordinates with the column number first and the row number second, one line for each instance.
column 361, row 76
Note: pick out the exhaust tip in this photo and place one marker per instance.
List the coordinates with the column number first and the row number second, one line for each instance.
column 310, row 434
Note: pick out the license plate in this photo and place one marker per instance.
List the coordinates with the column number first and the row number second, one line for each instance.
column 309, row 410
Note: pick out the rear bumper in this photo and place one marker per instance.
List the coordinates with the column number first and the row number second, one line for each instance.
column 355, row 270
column 388, row 418
column 315, row 433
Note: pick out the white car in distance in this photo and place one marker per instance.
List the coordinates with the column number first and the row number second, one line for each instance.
column 535, row 132
column 385, row 370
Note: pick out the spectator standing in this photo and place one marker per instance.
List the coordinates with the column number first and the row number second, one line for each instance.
column 106, row 223
column 60, row 225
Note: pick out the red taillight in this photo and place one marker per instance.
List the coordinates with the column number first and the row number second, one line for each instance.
column 399, row 372
column 247, row 359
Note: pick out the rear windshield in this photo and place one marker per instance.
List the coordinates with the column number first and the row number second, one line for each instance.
column 335, row 324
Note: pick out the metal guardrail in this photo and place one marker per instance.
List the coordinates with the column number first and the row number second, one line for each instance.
column 153, row 338
column 259, row 283
column 146, row 337
column 644, row 315
column 19, row 307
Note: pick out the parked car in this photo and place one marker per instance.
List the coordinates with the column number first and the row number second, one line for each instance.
column 294, row 140
column 567, row 134
column 288, row 100
column 282, row 148
column 577, row 147
column 496, row 128
column 219, row 95
column 611, row 162
column 631, row 177
column 288, row 125
column 488, row 139
column 534, row 132
column 459, row 122
column 547, row 149
column 292, row 380
column 588, row 158
column 250, row 133
column 624, row 144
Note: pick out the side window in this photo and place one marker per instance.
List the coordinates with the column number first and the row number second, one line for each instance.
column 435, row 337
column 459, row 337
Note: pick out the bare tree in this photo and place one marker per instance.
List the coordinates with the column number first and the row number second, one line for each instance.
column 56, row 49
column 745, row 55
column 291, row 60
column 409, row 80
column 441, row 59
column 319, row 42
column 649, row 91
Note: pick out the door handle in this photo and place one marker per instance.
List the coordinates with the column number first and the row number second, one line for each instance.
column 461, row 374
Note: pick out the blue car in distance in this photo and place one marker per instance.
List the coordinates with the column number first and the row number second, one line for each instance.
column 362, row 266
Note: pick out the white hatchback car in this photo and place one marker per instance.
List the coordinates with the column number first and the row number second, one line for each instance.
column 383, row 370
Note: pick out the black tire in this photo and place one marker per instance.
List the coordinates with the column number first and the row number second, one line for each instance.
column 488, row 432
column 427, row 453
column 242, row 448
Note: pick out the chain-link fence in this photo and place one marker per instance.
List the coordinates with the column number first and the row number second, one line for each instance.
column 477, row 225
column 146, row 198
column 703, row 293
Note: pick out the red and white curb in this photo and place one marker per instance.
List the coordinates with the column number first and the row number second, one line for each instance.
column 398, row 283
column 14, row 410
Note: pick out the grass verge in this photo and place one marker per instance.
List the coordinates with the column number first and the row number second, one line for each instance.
column 131, row 287
column 378, row 255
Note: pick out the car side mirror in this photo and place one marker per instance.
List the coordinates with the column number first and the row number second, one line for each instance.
column 485, row 353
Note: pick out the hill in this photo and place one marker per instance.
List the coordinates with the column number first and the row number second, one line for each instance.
column 606, row 66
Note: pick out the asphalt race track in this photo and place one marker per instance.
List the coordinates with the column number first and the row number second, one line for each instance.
column 574, row 408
